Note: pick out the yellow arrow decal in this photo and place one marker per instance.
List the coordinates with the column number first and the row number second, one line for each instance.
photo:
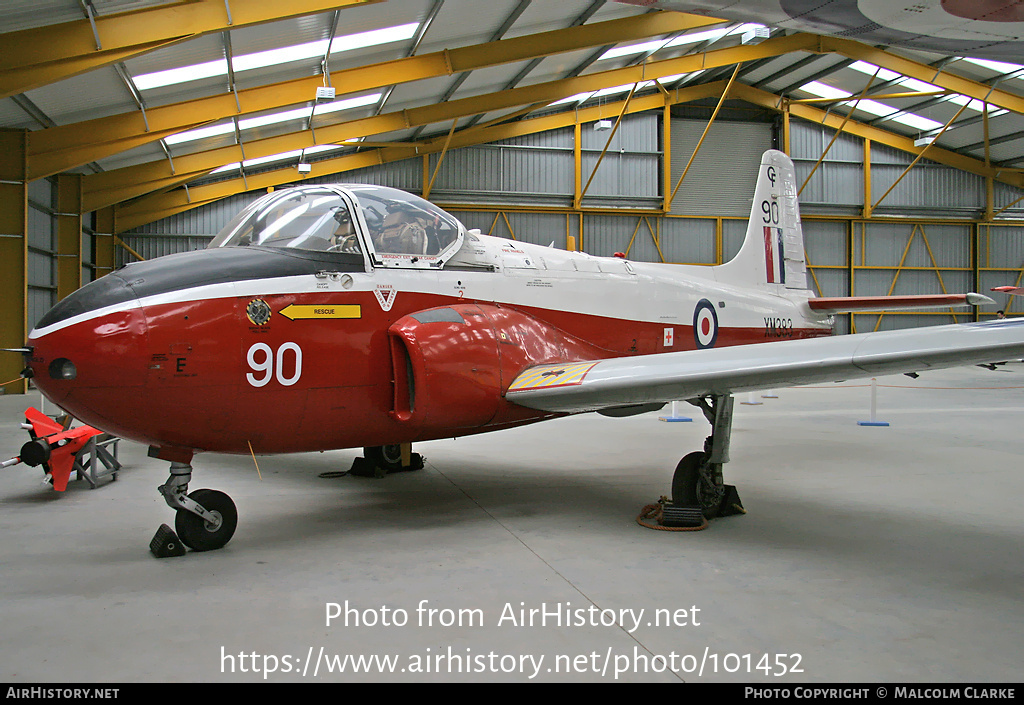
column 296, row 311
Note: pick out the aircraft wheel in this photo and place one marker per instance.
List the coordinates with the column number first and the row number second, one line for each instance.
column 388, row 457
column 198, row 534
column 690, row 489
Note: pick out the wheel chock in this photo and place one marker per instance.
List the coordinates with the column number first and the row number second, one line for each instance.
column 731, row 503
column 364, row 467
column 166, row 543
column 678, row 515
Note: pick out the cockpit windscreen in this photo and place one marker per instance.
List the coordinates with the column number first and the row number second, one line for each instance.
column 309, row 218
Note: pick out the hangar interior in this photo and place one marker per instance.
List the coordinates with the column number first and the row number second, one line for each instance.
column 131, row 129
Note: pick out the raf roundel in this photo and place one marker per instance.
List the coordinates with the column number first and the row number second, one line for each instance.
column 705, row 325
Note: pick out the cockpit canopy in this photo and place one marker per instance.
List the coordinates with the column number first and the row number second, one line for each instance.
column 395, row 227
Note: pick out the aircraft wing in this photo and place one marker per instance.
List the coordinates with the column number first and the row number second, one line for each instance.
column 603, row 384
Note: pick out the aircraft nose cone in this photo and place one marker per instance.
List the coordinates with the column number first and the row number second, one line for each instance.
column 89, row 348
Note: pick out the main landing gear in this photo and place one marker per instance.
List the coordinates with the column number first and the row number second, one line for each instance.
column 205, row 519
column 378, row 461
column 698, row 482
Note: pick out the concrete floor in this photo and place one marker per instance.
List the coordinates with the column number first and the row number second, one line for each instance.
column 868, row 554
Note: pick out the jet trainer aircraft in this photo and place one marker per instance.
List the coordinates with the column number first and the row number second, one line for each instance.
column 327, row 317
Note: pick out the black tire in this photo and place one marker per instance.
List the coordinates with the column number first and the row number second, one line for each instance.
column 388, row 457
column 688, row 490
column 194, row 531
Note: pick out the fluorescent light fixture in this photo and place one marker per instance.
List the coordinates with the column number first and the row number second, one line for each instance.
column 584, row 97
column 710, row 35
column 348, row 103
column 923, row 141
column 200, row 133
column 633, row 49
column 602, row 125
column 273, row 118
column 871, row 106
column 374, row 37
column 274, row 57
column 276, row 157
column 823, row 90
column 183, row 74
column 957, row 99
column 755, row 35
column 917, row 121
column 999, row 66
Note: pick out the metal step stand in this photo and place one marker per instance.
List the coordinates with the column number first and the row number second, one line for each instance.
column 98, row 459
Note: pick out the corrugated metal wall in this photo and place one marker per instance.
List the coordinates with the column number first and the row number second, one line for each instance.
column 721, row 179
column 42, row 249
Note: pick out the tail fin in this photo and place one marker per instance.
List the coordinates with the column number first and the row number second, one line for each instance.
column 772, row 254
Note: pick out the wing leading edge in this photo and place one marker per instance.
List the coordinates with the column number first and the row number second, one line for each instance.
column 665, row 377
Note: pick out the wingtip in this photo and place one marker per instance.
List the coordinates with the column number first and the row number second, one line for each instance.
column 975, row 299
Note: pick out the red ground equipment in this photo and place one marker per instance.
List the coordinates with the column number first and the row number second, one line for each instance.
column 53, row 446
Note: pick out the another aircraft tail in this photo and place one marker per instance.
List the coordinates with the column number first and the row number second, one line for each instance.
column 772, row 254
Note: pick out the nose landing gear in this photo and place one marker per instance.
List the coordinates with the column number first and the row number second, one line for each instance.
column 205, row 519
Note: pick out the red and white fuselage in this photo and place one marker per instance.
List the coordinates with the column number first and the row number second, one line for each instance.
column 287, row 350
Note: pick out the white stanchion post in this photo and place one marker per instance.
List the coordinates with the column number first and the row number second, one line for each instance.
column 674, row 416
column 874, row 407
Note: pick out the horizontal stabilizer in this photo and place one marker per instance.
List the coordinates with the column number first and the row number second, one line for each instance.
column 1013, row 290
column 845, row 304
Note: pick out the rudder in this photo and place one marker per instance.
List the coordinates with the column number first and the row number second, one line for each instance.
column 772, row 254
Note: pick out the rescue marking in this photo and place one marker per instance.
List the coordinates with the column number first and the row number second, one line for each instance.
column 547, row 376
column 306, row 311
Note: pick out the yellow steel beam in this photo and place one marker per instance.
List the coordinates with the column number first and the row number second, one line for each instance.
column 906, row 144
column 68, row 146
column 154, row 207
column 121, row 184
column 35, row 57
column 104, row 238
column 437, row 168
column 13, row 255
column 879, row 96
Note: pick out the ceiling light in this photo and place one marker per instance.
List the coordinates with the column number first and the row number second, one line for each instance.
column 181, row 75
column 274, row 57
column 755, row 35
column 273, row 118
